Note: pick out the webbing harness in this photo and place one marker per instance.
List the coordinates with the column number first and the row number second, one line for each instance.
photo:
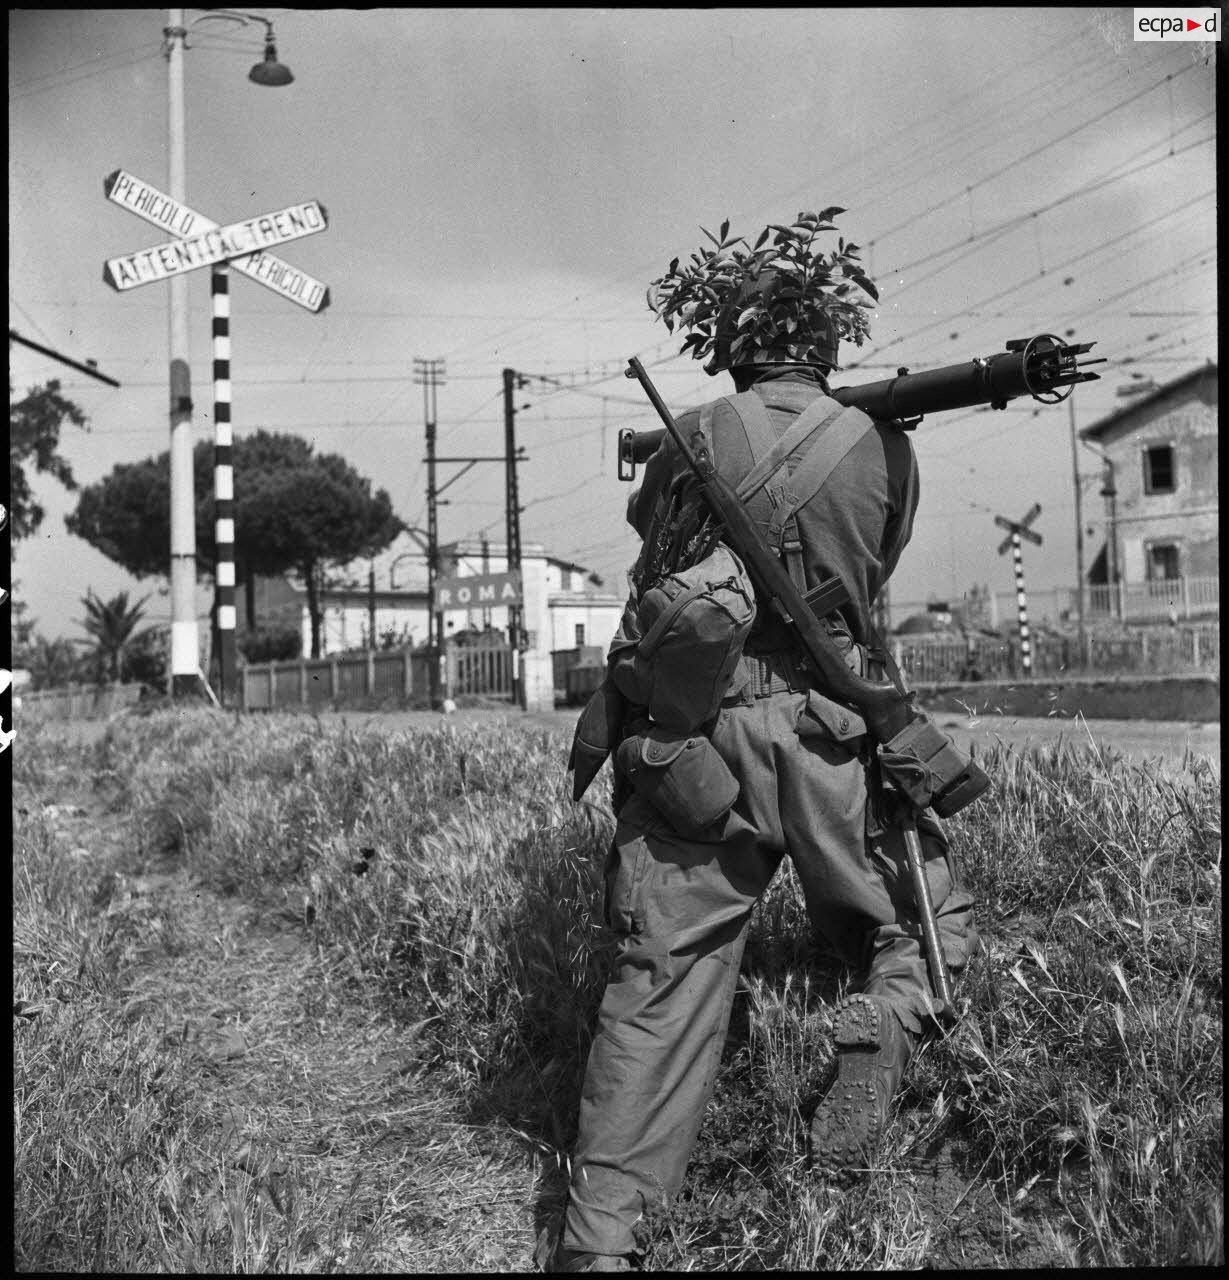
column 826, row 429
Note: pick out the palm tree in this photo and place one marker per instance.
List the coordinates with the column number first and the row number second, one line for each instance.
column 51, row 662
column 110, row 624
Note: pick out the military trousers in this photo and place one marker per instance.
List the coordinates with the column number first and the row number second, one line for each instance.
column 681, row 908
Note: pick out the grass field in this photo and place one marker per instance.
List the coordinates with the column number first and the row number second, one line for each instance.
column 296, row 996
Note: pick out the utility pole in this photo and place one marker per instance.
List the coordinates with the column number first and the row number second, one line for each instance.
column 486, row 568
column 185, row 652
column 371, row 605
column 1109, row 491
column 430, row 373
column 1079, row 538
column 513, row 382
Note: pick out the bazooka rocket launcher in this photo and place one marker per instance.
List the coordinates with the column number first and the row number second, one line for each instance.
column 1039, row 367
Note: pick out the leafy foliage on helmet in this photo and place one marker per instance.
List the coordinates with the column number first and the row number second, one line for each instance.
column 781, row 301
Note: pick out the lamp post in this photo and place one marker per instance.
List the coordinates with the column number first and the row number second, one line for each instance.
column 185, row 658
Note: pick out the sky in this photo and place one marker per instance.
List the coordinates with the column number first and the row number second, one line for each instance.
column 501, row 186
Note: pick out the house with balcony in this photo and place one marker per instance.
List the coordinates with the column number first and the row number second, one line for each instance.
column 1160, row 559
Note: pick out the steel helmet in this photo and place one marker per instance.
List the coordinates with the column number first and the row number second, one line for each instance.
column 783, row 301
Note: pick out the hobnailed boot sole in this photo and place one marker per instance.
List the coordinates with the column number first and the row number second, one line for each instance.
column 849, row 1122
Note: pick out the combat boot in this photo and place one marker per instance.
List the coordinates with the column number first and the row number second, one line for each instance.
column 561, row 1259
column 873, row 1050
column 551, row 1256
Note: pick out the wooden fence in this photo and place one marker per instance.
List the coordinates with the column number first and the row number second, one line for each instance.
column 1143, row 651
column 403, row 677
column 1162, row 598
column 374, row 677
column 482, row 670
column 377, row 677
column 76, row 702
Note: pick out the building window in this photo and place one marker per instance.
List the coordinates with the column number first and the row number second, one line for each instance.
column 1159, row 469
column 580, row 634
column 1162, row 562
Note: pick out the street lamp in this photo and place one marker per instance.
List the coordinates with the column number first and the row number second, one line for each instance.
column 268, row 71
column 185, row 660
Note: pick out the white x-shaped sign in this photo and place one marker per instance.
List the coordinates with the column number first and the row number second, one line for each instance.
column 201, row 242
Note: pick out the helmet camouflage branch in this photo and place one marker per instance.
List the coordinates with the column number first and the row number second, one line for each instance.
column 783, row 301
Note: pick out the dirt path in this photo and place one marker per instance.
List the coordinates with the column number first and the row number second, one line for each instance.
column 317, row 1142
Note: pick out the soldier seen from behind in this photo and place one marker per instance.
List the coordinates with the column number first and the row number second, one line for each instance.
column 728, row 752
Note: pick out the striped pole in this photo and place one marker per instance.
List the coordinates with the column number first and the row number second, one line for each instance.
column 223, row 483
column 1026, row 652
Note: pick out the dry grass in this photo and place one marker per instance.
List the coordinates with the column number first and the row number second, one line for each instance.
column 300, row 998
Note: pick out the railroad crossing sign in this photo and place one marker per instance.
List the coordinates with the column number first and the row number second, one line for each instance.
column 201, row 242
column 162, row 261
column 1019, row 527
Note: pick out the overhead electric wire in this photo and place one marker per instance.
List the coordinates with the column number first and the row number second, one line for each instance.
column 1028, row 155
column 558, row 319
column 553, row 316
column 1022, row 219
column 60, row 79
column 1058, row 267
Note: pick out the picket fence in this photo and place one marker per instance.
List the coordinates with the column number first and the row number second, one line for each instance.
column 378, row 677
column 402, row 677
column 1146, row 651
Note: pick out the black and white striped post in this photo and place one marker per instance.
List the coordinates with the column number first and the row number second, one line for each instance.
column 223, row 485
column 1017, row 531
column 1026, row 651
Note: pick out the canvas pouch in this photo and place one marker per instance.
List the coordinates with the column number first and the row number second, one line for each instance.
column 692, row 626
column 681, row 775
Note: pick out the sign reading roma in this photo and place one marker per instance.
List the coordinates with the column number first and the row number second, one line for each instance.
column 482, row 591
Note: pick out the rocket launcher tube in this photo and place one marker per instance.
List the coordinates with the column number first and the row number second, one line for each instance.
column 1038, row 367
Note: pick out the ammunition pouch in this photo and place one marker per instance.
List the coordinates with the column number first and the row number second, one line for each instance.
column 692, row 626
column 683, row 777
column 923, row 763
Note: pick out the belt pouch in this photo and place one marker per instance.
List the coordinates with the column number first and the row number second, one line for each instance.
column 683, row 778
